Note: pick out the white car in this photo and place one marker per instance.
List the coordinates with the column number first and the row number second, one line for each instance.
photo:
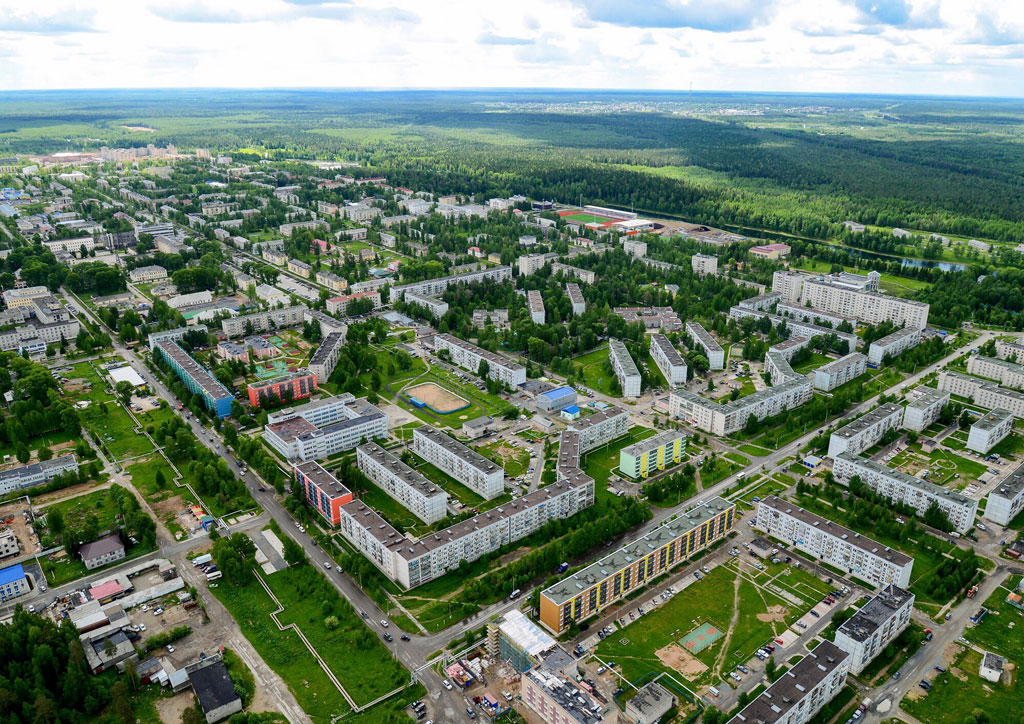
column 142, row 627
column 158, row 611
column 145, row 607
column 446, row 685
column 383, row 623
column 327, row 565
column 170, row 649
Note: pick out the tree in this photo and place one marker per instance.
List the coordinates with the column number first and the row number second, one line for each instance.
column 124, row 391
column 22, row 453
column 483, row 369
column 192, row 715
column 771, row 669
column 160, row 479
column 294, row 554
column 44, row 453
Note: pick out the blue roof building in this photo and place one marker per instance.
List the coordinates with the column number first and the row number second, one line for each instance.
column 13, row 582
column 571, row 412
column 556, row 399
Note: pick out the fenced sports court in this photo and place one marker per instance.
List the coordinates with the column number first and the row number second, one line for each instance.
column 701, row 637
column 436, row 398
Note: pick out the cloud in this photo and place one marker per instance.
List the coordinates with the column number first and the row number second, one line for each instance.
column 987, row 32
column 375, row 16
column 490, row 38
column 721, row 16
column 202, row 13
column 833, row 51
column 898, row 13
column 71, row 21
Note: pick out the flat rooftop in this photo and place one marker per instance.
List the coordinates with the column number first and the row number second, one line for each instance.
column 618, row 351
column 864, row 422
column 466, row 454
column 327, row 347
column 402, row 471
column 281, row 379
column 843, row 362
column 536, row 300
column 575, row 295
column 653, row 443
column 575, row 702
column 491, row 357
column 667, row 349
column 291, row 428
column 329, row 484
column 993, row 420
column 1013, row 486
column 896, row 336
column 703, row 336
column 199, row 374
column 875, row 613
column 931, row 396
column 630, row 553
column 923, row 485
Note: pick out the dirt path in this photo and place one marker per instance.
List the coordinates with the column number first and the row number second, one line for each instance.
column 732, row 626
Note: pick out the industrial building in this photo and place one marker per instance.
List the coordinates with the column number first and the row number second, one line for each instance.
column 556, row 399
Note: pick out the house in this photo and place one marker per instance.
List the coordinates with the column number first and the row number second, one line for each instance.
column 476, row 427
column 102, row 551
column 215, row 691
column 570, row 413
column 474, row 251
column 13, row 582
column 991, row 668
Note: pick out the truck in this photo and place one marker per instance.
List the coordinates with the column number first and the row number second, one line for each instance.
column 201, row 560
column 972, row 592
column 213, row 576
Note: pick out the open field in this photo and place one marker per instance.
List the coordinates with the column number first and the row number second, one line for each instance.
column 959, row 692
column 1002, row 630
column 594, row 374
column 600, row 462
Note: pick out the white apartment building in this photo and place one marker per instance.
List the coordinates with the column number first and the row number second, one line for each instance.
column 1006, row 373
column 875, row 626
column 353, row 423
column 982, row 393
column 584, row 275
column 762, row 302
column 532, row 263
column 733, row 415
column 800, row 693
column 712, row 349
column 536, row 304
column 797, row 328
column 327, row 323
column 264, row 321
column 436, row 287
column 852, row 553
column 989, row 430
column 865, row 431
column 70, row 246
column 840, row 371
column 776, row 363
column 437, row 307
column 921, row 412
column 483, row 477
column 14, row 298
column 600, row 428
column 579, row 305
column 25, row 476
column 634, row 248
column 704, row 264
column 669, row 361
column 468, row 356
column 1007, row 500
column 902, row 488
column 318, row 413
column 625, row 368
column 1013, row 351
column 850, row 295
column 417, row 494
column 149, row 273
column 326, row 357
column 808, row 314
column 893, row 344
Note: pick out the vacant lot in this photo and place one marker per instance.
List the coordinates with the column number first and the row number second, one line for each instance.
column 958, row 693
column 1002, row 630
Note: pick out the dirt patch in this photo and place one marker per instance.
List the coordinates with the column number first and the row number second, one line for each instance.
column 170, row 710
column 513, row 555
column 437, row 398
column 774, row 613
column 13, row 517
column 678, row 658
column 70, row 492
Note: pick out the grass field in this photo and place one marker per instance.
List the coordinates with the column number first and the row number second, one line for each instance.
column 583, row 217
column 600, row 462
column 958, row 693
column 1002, row 630
column 515, row 460
column 115, row 429
column 76, row 510
column 594, row 374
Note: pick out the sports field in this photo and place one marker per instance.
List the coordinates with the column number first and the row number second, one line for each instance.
column 584, row 217
column 436, row 398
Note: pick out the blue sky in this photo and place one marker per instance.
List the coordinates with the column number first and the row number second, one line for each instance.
column 958, row 47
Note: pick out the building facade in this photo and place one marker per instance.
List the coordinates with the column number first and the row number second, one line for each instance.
column 25, row 476
column 264, row 321
column 482, row 476
column 417, row 494
column 875, row 626
column 1006, row 501
column 988, row 431
column 436, row 287
column 468, row 357
column 708, row 344
column 857, row 436
column 655, row 453
column 921, row 412
column 669, row 361
column 625, row 368
column 326, row 357
column 893, row 344
column 197, row 378
column 296, row 385
column 704, row 264
column 323, row 491
column 840, row 371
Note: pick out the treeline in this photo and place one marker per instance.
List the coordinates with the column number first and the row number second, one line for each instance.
column 680, row 486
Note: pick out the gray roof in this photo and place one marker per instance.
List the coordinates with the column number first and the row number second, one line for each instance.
column 862, row 423
column 876, row 613
column 101, row 547
column 213, row 686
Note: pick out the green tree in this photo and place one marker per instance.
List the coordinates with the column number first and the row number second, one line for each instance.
column 294, row 554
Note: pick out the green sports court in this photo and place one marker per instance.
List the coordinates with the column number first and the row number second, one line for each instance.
column 701, row 637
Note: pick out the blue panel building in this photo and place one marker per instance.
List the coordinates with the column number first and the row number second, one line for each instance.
column 556, row 399
column 197, row 378
column 13, row 582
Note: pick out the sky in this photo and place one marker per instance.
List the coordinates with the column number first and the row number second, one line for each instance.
column 943, row 47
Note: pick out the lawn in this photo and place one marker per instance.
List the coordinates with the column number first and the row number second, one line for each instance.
column 595, row 375
column 1002, row 630
column 516, row 461
column 754, row 450
column 66, row 569
column 816, row 360
column 762, row 490
column 457, row 490
column 76, row 510
column 958, row 693
column 48, row 440
column 716, row 470
column 600, row 462
column 115, row 430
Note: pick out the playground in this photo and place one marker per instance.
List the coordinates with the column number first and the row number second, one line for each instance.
column 436, row 398
column 271, row 369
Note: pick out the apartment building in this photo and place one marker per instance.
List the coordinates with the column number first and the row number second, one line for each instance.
column 332, row 281
column 326, row 357
column 14, row 298
column 850, row 552
column 776, row 361
column 921, row 412
column 851, row 295
column 151, row 273
column 704, row 264
column 533, row 263
column 800, row 693
column 625, row 368
column 417, row 494
column 436, row 287
column 287, row 229
column 634, row 248
column 196, row 378
column 655, row 453
column 1013, row 351
column 1006, row 501
column 840, row 371
column 328, row 324
column 600, row 428
column 497, row 317
column 891, row 345
column 711, row 348
column 573, row 272
column 264, row 321
column 903, row 488
column 579, row 305
column 558, row 699
column 663, row 318
column 669, row 361
column 482, row 476
column 762, row 302
column 274, row 256
column 290, row 386
column 339, row 305
column 325, row 427
column 809, row 314
column 436, row 307
column 807, row 330
column 468, row 357
column 875, row 626
column 989, row 430
column 733, row 415
column 25, row 476
column 616, row 575
column 982, row 393
column 323, row 491
column 857, row 436
column 70, row 246
column 1006, row 373
column 536, row 303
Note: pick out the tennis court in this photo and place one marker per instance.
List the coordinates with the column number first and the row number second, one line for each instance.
column 701, row 637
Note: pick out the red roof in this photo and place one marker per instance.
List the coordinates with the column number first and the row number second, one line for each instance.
column 105, row 590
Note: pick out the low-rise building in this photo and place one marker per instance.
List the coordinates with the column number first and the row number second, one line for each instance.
column 991, row 667
column 190, row 300
column 215, row 691
column 102, row 551
column 9, row 543
column 25, row 476
column 711, row 348
column 663, row 450
column 417, row 494
column 875, row 625
column 151, row 273
column 556, row 399
column 482, row 476
column 331, row 280
column 819, row 537
column 13, row 582
column 857, row 436
column 921, row 412
column 989, row 430
column 650, row 704
column 340, row 305
column 840, row 371
column 771, row 251
column 297, row 266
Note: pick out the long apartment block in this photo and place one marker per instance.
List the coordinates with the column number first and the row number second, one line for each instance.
column 857, row 436
column 808, row 330
column 536, row 304
column 852, row 296
column 981, row 392
column 625, row 368
column 776, row 363
column 342, row 424
column 601, row 427
column 733, row 415
column 25, row 476
column 613, row 577
column 1006, row 501
column 840, row 371
column 799, row 694
column 482, row 476
column 263, row 321
column 196, row 378
column 468, row 357
column 875, row 626
column 584, row 275
column 1006, row 373
column 1013, row 351
column 669, row 361
column 326, row 357
column 710, row 346
column 296, row 385
column 891, row 345
column 420, row 496
column 323, row 491
column 922, row 411
column 810, row 314
column 436, row 287
column 437, row 307
column 989, row 430
column 663, row 450
column 903, row 488
column 411, row 563
column 852, row 553
column 579, row 304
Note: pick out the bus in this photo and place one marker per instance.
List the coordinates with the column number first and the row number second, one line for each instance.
column 213, row 576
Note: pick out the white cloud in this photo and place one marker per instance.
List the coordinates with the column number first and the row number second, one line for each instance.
column 890, row 46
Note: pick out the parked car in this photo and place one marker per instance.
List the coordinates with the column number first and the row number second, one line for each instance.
column 170, row 649
column 446, row 685
column 158, row 611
